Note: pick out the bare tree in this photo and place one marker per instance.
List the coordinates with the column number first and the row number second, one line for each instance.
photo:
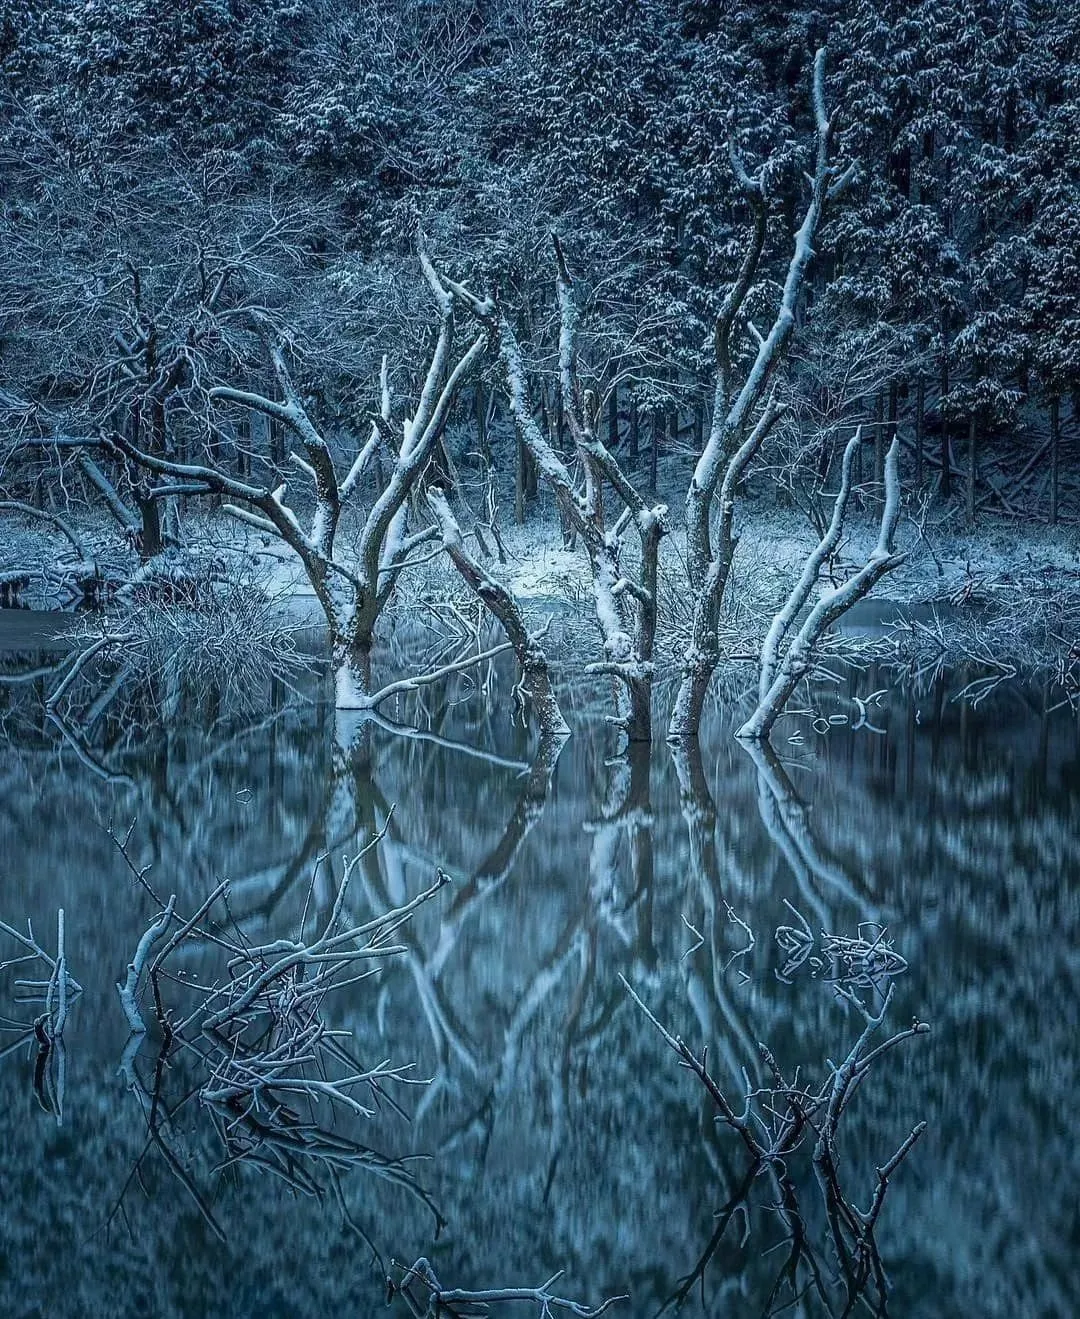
column 128, row 286
column 53, row 997
column 777, row 1120
column 781, row 673
column 743, row 415
column 624, row 596
column 352, row 588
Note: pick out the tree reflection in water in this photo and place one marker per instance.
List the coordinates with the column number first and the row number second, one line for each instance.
column 561, row 1136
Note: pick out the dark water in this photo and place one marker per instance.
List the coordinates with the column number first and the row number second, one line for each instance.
column 558, row 1131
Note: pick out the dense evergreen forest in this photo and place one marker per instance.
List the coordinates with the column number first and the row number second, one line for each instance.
column 208, row 243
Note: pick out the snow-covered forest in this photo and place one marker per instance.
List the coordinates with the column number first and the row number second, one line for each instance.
column 539, row 657
column 294, row 265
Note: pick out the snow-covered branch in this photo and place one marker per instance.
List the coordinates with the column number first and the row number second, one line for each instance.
column 740, row 422
column 785, row 674
column 535, row 682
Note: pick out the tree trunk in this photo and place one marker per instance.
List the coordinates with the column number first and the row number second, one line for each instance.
column 277, row 442
column 1055, row 458
column 151, row 542
column 481, row 414
column 920, row 406
column 532, row 476
column 972, row 467
column 658, row 428
column 946, row 465
column 633, row 446
column 698, row 670
column 613, row 419
column 519, row 483
column 879, row 441
column 352, row 672
column 634, row 703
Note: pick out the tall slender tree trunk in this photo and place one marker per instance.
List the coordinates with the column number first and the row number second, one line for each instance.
column 972, row 467
column 613, row 418
column 151, row 539
column 519, row 483
column 1055, row 458
column 633, row 447
column 946, row 467
column 920, row 407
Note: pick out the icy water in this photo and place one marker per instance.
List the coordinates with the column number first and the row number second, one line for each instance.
column 558, row 1130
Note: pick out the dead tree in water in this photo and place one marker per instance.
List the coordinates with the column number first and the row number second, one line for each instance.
column 535, row 682
column 625, row 599
column 352, row 589
column 53, row 996
column 740, row 423
column 781, row 674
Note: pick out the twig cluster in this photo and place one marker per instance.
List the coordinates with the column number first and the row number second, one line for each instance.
column 268, row 1061
column 858, row 963
column 778, row 1120
column 53, row 996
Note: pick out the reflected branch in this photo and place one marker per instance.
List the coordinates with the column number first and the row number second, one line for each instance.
column 775, row 1123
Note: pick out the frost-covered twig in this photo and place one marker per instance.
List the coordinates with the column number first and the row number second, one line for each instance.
column 56, row 991
column 440, row 1298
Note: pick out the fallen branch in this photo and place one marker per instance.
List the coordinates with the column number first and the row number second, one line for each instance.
column 417, row 680
column 440, row 1298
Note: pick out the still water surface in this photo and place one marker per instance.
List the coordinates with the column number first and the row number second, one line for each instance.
column 558, row 1131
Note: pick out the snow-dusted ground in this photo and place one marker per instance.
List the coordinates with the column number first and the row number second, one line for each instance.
column 1031, row 570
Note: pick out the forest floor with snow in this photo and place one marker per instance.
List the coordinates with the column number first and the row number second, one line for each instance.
column 1005, row 593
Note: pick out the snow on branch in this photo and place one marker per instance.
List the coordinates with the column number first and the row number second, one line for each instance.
column 440, row 1299
column 740, row 420
column 785, row 674
column 625, row 605
column 535, row 682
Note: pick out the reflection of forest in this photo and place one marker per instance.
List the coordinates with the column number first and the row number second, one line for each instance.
column 564, row 1135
